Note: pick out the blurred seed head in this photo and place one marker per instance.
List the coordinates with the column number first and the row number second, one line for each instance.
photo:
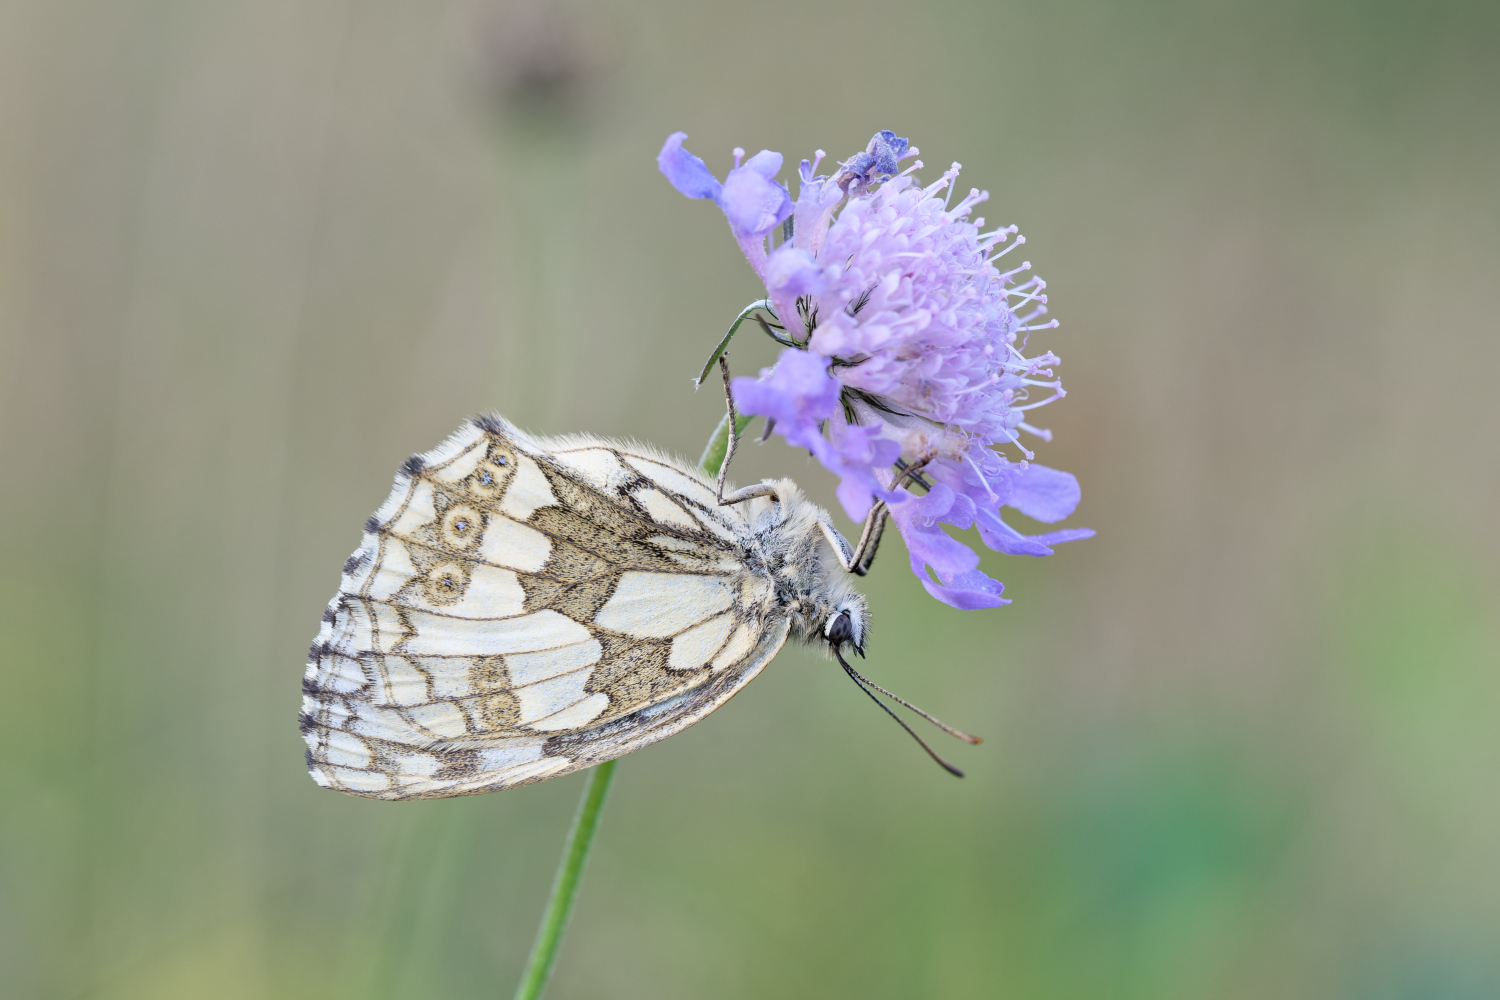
column 546, row 64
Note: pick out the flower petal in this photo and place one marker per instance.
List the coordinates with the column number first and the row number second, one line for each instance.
column 816, row 200
column 688, row 173
column 1003, row 538
column 968, row 591
column 860, row 451
column 797, row 390
column 791, row 272
column 765, row 163
column 1046, row 495
column 959, row 580
column 753, row 201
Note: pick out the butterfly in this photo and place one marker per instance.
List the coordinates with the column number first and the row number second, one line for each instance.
column 523, row 607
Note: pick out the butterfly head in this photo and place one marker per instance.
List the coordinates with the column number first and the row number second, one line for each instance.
column 846, row 627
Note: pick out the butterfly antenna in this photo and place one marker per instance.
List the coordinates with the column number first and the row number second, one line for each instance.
column 860, row 683
column 859, row 678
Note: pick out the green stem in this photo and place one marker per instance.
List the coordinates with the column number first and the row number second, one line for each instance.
column 586, row 821
column 565, row 885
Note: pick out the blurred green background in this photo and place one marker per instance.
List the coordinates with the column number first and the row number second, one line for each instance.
column 1243, row 744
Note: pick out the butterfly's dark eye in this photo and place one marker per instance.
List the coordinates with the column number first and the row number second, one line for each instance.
column 840, row 629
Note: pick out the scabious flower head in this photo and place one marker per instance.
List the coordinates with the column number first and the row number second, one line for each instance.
column 907, row 350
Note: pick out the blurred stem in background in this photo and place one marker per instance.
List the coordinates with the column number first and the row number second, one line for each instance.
column 544, row 258
column 545, row 66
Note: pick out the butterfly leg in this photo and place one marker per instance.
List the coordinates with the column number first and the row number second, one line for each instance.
column 869, row 539
column 840, row 547
column 749, row 492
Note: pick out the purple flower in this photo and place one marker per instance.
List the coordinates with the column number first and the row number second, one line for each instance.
column 909, row 351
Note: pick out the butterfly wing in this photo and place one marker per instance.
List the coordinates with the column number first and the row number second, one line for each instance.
column 520, row 608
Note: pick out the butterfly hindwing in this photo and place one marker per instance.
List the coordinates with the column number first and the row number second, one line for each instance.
column 520, row 608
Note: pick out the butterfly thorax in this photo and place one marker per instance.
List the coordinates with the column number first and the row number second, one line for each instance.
column 790, row 542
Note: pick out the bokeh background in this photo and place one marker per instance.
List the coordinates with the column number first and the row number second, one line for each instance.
column 1243, row 744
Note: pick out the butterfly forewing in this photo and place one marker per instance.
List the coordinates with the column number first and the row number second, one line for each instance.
column 520, row 608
